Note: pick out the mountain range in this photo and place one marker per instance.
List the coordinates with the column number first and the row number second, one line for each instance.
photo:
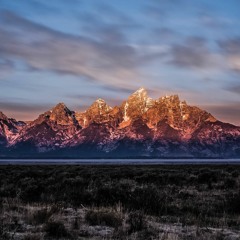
column 140, row 127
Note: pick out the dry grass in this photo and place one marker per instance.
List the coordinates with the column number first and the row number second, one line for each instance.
column 174, row 202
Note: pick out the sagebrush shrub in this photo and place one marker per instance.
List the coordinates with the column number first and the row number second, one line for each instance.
column 107, row 218
column 56, row 230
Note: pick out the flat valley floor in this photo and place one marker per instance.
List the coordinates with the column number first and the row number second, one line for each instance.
column 167, row 202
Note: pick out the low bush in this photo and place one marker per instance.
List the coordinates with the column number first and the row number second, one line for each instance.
column 4, row 231
column 40, row 216
column 233, row 203
column 75, row 223
column 105, row 218
column 230, row 183
column 148, row 199
column 32, row 237
column 56, row 230
column 148, row 234
column 32, row 193
column 136, row 221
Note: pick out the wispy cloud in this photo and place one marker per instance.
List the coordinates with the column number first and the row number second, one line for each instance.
column 46, row 49
column 230, row 112
column 214, row 22
column 194, row 53
column 231, row 49
column 164, row 33
column 234, row 88
column 230, row 46
column 22, row 110
column 6, row 67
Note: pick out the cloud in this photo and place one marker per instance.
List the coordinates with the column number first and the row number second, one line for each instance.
column 149, row 53
column 155, row 12
column 22, row 110
column 228, row 112
column 234, row 63
column 41, row 7
column 230, row 46
column 164, row 33
column 214, row 22
column 187, row 56
column 110, row 13
column 168, row 3
column 194, row 53
column 81, row 97
column 117, row 89
column 235, row 88
column 6, row 67
column 16, row 106
column 231, row 49
column 46, row 49
column 160, row 10
column 106, row 32
column 106, row 23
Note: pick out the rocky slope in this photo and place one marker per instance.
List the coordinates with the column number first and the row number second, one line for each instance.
column 139, row 127
column 9, row 129
column 51, row 130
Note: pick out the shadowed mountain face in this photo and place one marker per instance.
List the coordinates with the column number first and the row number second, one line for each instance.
column 139, row 127
column 9, row 129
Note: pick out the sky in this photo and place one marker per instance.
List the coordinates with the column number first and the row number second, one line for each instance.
column 75, row 51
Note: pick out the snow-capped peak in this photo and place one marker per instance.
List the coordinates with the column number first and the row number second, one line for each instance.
column 100, row 105
column 140, row 91
column 136, row 104
column 140, row 96
column 100, row 101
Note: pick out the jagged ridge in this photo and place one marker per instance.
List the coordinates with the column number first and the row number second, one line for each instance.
column 139, row 127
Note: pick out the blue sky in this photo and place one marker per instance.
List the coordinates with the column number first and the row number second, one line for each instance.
column 78, row 50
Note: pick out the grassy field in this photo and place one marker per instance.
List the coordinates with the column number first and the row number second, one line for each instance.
column 120, row 202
